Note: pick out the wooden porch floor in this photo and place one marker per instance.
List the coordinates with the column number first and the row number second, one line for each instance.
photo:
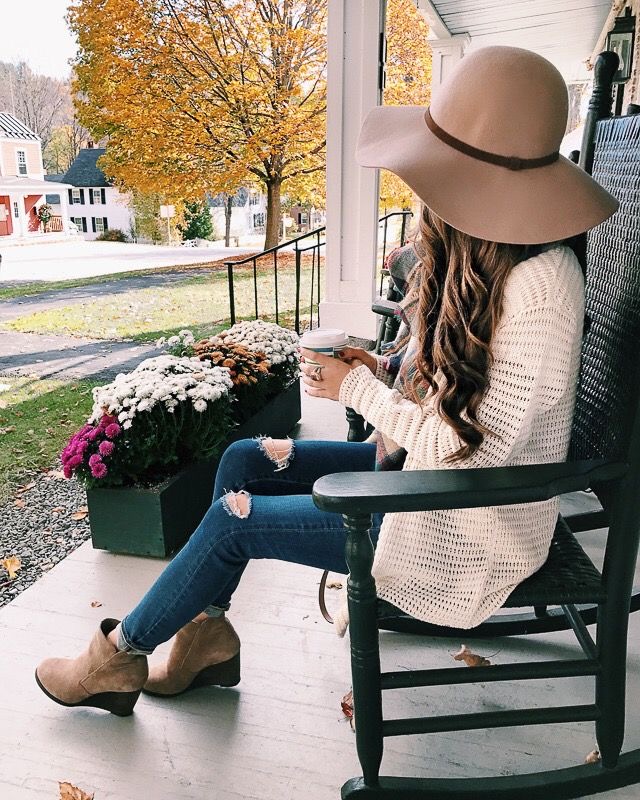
column 280, row 734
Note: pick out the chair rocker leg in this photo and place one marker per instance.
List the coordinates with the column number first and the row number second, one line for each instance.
column 562, row 784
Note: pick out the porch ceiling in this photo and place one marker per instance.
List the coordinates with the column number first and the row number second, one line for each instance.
column 564, row 31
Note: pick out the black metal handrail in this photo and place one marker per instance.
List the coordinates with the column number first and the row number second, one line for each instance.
column 315, row 249
column 315, row 271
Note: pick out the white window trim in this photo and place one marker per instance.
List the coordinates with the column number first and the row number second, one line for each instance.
column 18, row 163
column 97, row 197
column 99, row 225
column 76, row 197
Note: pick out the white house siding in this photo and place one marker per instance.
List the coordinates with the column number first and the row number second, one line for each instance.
column 115, row 210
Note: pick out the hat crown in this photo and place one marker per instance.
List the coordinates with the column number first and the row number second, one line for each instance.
column 504, row 100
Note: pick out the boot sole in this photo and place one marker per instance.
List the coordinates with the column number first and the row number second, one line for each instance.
column 119, row 703
column 226, row 674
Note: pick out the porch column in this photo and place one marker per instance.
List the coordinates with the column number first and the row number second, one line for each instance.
column 353, row 87
column 447, row 48
column 445, row 55
column 64, row 211
column 20, row 225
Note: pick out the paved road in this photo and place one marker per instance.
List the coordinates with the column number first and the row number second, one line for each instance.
column 56, row 261
column 67, row 357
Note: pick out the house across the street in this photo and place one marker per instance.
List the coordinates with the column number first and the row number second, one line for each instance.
column 95, row 205
column 23, row 188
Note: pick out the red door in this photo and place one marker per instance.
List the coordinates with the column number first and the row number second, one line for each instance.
column 6, row 226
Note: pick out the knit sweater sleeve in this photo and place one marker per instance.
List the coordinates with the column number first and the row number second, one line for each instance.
column 533, row 353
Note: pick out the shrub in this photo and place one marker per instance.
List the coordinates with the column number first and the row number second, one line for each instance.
column 113, row 235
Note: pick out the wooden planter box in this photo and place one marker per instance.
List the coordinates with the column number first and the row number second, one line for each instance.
column 157, row 521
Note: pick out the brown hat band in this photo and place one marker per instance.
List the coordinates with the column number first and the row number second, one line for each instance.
column 510, row 162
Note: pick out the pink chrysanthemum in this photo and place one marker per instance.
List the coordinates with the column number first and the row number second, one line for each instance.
column 112, row 430
column 94, row 459
column 106, row 448
column 99, row 470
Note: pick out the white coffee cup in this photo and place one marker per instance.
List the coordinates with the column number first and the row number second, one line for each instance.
column 327, row 341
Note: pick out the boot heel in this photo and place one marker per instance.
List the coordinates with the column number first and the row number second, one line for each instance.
column 119, row 703
column 227, row 673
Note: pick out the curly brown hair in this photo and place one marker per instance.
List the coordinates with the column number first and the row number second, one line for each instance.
column 458, row 285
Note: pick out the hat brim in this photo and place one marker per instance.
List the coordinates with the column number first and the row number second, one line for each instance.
column 528, row 206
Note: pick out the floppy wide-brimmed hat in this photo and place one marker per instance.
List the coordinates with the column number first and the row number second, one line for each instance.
column 485, row 155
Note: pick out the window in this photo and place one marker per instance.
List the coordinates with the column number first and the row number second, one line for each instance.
column 254, row 199
column 22, row 162
column 96, row 196
column 258, row 220
column 75, row 196
column 99, row 224
column 16, row 210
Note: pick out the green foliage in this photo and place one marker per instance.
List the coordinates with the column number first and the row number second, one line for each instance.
column 113, row 235
column 197, row 221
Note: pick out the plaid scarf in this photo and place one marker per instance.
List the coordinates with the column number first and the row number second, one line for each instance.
column 400, row 262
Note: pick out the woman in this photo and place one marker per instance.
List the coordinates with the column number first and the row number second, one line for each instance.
column 485, row 377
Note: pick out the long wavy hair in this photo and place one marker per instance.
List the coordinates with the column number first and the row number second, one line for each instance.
column 458, row 285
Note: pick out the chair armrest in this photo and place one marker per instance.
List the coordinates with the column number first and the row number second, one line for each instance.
column 386, row 308
column 356, row 493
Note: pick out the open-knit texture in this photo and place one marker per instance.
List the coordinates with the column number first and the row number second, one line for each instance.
column 456, row 567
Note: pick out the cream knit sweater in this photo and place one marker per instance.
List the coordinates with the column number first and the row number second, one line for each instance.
column 457, row 567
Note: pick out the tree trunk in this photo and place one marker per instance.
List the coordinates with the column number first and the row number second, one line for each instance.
column 228, row 210
column 274, row 214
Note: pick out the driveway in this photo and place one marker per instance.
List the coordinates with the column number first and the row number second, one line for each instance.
column 56, row 261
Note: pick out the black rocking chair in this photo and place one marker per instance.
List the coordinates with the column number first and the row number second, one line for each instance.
column 568, row 591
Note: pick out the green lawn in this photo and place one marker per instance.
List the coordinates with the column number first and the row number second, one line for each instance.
column 37, row 418
column 200, row 303
column 20, row 290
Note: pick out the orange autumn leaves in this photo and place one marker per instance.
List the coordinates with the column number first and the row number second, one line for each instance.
column 204, row 95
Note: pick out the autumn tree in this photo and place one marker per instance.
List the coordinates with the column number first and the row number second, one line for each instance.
column 200, row 96
column 408, row 82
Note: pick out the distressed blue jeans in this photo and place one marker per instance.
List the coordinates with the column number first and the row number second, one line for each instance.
column 283, row 523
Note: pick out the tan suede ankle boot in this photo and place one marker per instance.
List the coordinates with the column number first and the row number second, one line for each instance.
column 101, row 677
column 204, row 653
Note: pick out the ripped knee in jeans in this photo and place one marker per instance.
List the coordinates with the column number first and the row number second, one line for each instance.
column 237, row 504
column 279, row 451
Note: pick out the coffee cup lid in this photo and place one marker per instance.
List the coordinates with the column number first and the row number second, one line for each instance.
column 324, row 337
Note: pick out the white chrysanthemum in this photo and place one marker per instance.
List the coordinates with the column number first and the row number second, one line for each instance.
column 200, row 405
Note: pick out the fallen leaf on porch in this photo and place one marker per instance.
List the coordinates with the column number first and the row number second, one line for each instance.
column 81, row 513
column 593, row 757
column 347, row 708
column 95, row 604
column 11, row 564
column 347, row 704
column 471, row 659
column 26, row 487
column 70, row 792
column 57, row 509
column 19, row 503
column 334, row 585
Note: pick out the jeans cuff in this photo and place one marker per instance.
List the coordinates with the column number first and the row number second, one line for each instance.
column 216, row 611
column 125, row 646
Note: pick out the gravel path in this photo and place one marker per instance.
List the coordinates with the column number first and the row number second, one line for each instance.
column 37, row 526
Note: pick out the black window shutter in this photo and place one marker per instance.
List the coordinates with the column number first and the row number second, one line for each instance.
column 93, row 224
column 82, row 196
column 104, row 222
column 91, row 196
column 103, row 196
column 84, row 224
column 70, row 197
